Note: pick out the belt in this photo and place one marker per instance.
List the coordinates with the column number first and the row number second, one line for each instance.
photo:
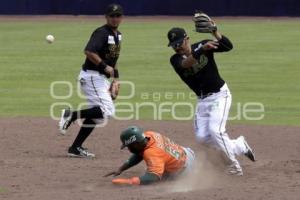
column 203, row 96
column 85, row 69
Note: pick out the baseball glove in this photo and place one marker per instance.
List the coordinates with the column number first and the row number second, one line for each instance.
column 203, row 23
column 114, row 89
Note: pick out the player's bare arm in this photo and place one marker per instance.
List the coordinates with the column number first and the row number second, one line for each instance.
column 95, row 58
column 217, row 35
column 210, row 45
column 135, row 159
column 132, row 161
column 192, row 59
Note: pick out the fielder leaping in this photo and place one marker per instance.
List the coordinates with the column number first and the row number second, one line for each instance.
column 195, row 64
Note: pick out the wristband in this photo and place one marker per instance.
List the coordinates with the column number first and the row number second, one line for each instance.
column 102, row 65
column 116, row 73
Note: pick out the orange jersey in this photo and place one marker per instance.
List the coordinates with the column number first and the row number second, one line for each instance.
column 162, row 155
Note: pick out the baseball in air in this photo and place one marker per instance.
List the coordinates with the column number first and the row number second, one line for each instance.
column 50, row 38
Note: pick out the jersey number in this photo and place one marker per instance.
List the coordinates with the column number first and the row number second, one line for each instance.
column 172, row 152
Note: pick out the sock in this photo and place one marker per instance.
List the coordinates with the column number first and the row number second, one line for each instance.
column 85, row 130
column 90, row 113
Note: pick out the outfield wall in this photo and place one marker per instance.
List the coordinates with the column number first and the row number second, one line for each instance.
column 154, row 7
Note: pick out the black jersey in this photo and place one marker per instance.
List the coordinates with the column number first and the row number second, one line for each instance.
column 106, row 44
column 203, row 77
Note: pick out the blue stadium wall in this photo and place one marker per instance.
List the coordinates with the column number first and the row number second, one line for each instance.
column 154, row 7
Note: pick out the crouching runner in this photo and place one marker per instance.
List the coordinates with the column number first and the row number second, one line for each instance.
column 164, row 158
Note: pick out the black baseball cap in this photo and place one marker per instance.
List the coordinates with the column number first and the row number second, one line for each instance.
column 176, row 36
column 114, row 9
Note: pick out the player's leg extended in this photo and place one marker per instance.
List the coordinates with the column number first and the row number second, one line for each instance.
column 76, row 150
column 201, row 124
column 95, row 110
column 190, row 158
column 239, row 145
column 95, row 88
column 219, row 109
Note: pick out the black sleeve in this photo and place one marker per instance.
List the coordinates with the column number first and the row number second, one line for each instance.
column 132, row 161
column 116, row 73
column 148, row 178
column 96, row 42
column 224, row 45
column 176, row 61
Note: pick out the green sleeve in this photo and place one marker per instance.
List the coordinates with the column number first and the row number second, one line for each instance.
column 148, row 178
column 133, row 160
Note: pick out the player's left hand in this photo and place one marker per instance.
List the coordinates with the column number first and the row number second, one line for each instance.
column 203, row 23
column 210, row 45
column 127, row 181
column 114, row 89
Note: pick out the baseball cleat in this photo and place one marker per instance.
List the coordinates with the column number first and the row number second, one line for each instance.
column 234, row 170
column 65, row 121
column 249, row 154
column 80, row 152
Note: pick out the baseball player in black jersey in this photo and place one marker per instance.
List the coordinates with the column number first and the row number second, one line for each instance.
column 102, row 53
column 196, row 66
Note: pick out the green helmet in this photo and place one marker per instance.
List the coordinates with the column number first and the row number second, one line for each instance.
column 131, row 135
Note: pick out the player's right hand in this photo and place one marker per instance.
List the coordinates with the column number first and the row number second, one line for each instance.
column 109, row 70
column 113, row 173
column 210, row 45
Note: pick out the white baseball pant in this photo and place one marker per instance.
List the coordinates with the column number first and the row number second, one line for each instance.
column 95, row 87
column 210, row 121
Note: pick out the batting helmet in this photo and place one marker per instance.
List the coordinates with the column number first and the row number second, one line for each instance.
column 132, row 134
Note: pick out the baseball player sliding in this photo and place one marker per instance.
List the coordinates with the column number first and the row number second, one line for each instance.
column 164, row 158
column 196, row 66
column 102, row 52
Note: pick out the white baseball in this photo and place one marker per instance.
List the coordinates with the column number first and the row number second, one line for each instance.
column 50, row 38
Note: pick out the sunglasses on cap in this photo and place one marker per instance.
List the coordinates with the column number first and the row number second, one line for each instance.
column 179, row 44
column 115, row 15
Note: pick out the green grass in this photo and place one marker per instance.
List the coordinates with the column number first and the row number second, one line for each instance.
column 263, row 67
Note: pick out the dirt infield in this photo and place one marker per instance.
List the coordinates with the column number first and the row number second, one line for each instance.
column 34, row 166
